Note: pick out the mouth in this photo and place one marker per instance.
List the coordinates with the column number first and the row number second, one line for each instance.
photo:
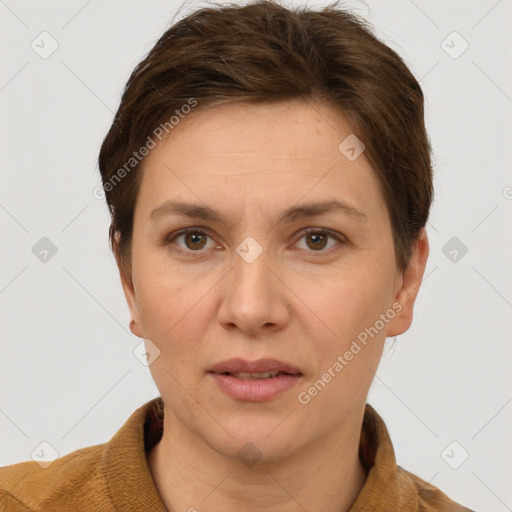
column 262, row 368
column 256, row 381
column 256, row 376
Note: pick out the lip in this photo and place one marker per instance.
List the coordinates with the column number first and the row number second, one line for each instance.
column 261, row 365
column 255, row 390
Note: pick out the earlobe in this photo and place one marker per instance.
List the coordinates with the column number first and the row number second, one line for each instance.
column 129, row 293
column 134, row 328
column 411, row 282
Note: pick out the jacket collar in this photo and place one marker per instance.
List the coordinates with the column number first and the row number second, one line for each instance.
column 125, row 465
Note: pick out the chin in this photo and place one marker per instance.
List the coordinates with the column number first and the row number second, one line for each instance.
column 253, row 439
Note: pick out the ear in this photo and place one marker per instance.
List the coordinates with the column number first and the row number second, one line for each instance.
column 129, row 290
column 408, row 290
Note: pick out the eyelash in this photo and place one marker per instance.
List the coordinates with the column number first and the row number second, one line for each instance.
column 307, row 231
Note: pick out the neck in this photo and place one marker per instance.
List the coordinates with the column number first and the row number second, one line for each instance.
column 190, row 475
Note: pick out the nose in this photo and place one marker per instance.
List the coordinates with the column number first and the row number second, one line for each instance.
column 254, row 299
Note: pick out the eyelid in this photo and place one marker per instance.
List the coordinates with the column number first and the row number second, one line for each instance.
column 326, row 231
column 192, row 229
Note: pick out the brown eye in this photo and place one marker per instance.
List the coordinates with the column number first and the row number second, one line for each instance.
column 195, row 240
column 189, row 240
column 318, row 239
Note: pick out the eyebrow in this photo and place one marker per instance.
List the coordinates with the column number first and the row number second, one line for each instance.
column 306, row 210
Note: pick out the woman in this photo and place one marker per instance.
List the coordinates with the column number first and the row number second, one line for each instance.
column 269, row 179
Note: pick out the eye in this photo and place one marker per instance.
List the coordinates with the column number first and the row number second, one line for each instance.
column 194, row 239
column 317, row 239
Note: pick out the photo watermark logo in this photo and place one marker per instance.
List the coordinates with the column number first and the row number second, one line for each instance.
column 304, row 397
column 137, row 156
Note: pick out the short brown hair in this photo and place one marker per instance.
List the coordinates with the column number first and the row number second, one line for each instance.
column 264, row 52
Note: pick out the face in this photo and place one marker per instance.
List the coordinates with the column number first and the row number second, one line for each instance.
column 252, row 283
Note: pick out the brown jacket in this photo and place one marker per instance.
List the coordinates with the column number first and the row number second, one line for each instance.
column 115, row 477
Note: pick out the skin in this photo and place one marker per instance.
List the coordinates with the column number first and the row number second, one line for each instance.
column 297, row 302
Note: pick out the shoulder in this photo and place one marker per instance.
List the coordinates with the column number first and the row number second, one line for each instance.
column 424, row 496
column 109, row 476
column 75, row 481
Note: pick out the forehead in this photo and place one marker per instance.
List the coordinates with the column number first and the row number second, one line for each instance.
column 269, row 154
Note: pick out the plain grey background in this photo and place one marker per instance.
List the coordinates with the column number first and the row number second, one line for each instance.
column 68, row 374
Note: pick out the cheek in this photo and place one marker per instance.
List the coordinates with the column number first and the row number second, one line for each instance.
column 177, row 309
column 175, row 319
column 165, row 294
column 350, row 356
column 351, row 303
column 347, row 359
